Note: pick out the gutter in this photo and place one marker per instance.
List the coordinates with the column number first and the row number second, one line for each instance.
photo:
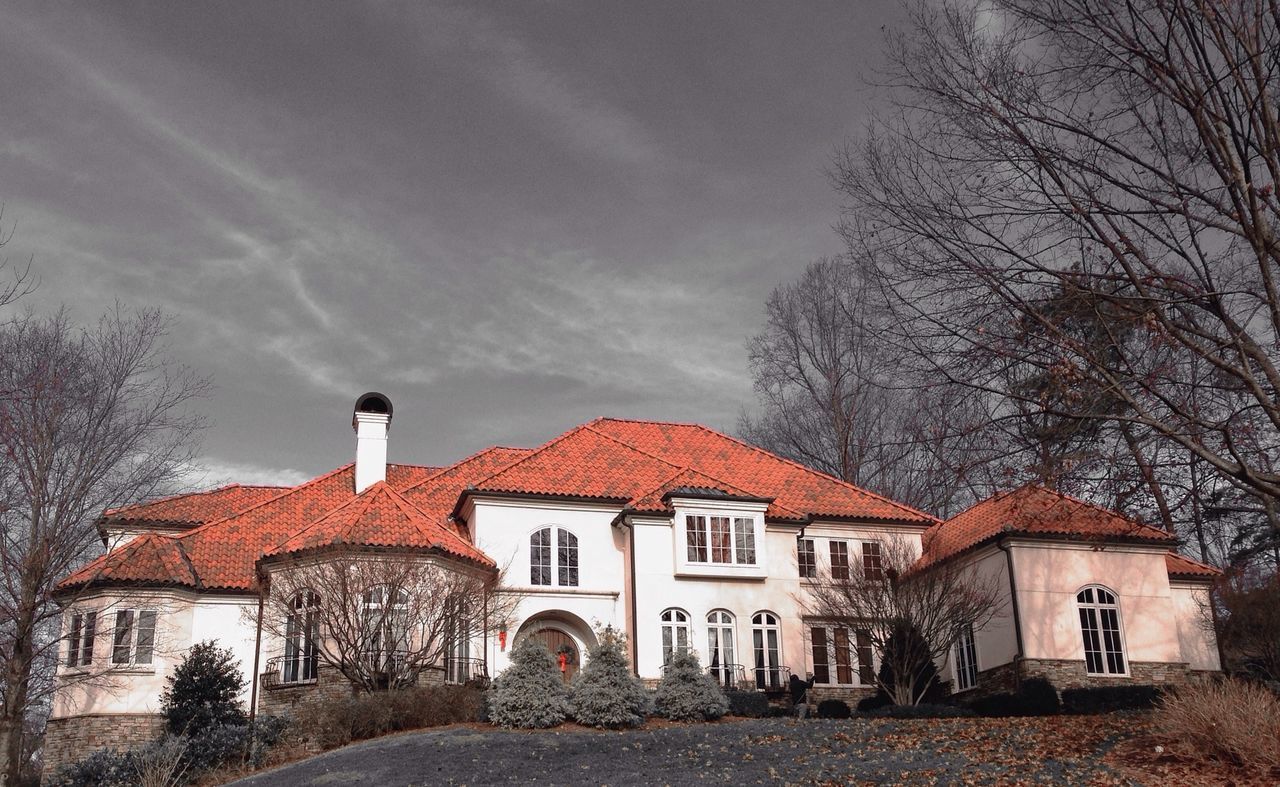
column 1017, row 615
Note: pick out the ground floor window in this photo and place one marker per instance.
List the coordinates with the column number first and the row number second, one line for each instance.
column 966, row 660
column 767, row 656
column 675, row 634
column 720, row 651
column 842, row 656
column 1100, row 629
column 301, row 632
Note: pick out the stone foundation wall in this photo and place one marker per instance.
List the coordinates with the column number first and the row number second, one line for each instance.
column 850, row 695
column 1070, row 674
column 73, row 738
column 296, row 700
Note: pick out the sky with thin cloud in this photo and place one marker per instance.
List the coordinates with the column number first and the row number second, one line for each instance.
column 510, row 218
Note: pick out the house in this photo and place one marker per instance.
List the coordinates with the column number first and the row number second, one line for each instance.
column 680, row 536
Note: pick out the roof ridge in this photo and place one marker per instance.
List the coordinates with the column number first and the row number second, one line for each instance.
column 291, row 490
column 642, row 421
column 177, row 495
column 638, row 450
column 401, row 501
column 1101, row 508
column 532, row 453
column 362, row 499
column 811, row 470
column 460, row 462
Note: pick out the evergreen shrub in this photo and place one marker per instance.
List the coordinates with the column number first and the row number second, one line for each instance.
column 606, row 693
column 531, row 692
column 686, row 693
column 833, row 709
column 748, row 704
column 1104, row 699
column 203, row 691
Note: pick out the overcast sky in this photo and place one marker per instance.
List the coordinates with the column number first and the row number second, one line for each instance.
column 509, row 218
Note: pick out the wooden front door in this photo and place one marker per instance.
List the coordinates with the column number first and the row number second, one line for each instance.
column 563, row 650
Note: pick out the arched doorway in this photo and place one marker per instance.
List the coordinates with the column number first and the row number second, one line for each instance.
column 563, row 648
column 564, row 633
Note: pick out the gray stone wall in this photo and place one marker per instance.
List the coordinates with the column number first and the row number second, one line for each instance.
column 76, row 737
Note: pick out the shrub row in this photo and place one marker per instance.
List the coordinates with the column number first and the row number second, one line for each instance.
column 1036, row 697
column 1104, row 699
column 337, row 722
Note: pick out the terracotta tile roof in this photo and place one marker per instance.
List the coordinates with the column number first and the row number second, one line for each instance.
column 381, row 517
column 656, row 499
column 150, row 558
column 1183, row 567
column 190, row 509
column 1032, row 510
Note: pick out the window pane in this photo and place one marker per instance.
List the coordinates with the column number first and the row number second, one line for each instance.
column 540, row 557
column 568, row 558
column 839, row 560
column 1092, row 647
column 696, row 538
column 872, row 567
column 73, row 641
column 844, row 672
column 808, row 563
column 87, row 638
column 966, row 660
column 720, row 543
column 821, row 673
column 866, row 668
column 123, row 637
column 146, row 637
column 744, row 534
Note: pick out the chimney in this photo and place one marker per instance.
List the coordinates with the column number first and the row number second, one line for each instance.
column 371, row 421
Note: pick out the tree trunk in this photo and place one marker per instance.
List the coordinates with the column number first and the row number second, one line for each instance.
column 17, row 676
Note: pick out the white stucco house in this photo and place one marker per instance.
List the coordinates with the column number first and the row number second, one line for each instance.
column 678, row 535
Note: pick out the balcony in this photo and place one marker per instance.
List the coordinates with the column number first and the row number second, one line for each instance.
column 465, row 671
column 729, row 676
column 284, row 672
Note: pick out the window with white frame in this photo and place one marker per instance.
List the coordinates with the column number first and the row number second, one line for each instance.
column 563, row 570
column 965, row 658
column 808, row 559
column 842, row 656
column 720, row 647
column 872, row 561
column 386, row 634
column 301, row 629
column 1101, row 632
column 723, row 540
column 766, row 655
column 133, row 641
column 839, row 560
column 675, row 633
column 81, row 630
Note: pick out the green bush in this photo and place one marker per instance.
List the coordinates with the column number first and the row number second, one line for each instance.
column 340, row 721
column 748, row 704
column 1104, row 699
column 1039, row 697
column 531, row 692
column 833, row 709
column 103, row 768
column 606, row 693
column 927, row 687
column 225, row 744
column 686, row 693
column 874, row 702
column 203, row 691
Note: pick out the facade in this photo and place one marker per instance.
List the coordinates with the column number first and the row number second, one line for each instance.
column 678, row 535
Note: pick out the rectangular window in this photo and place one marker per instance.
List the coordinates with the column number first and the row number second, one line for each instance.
column 808, row 559
column 744, row 541
column 80, row 639
column 866, row 669
column 844, row 670
column 821, row 669
column 721, row 544
column 966, row 658
column 872, row 565
column 839, row 560
column 696, row 538
column 134, row 638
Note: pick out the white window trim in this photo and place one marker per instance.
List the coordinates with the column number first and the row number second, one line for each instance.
column 132, row 664
column 1124, row 643
column 832, row 669
column 955, row 662
column 65, row 650
column 813, row 542
column 686, row 507
column 555, row 567
column 675, row 625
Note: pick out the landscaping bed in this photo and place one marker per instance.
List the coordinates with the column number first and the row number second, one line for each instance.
column 1104, row 750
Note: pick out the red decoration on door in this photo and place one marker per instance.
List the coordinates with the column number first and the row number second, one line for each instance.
column 502, row 640
column 564, row 662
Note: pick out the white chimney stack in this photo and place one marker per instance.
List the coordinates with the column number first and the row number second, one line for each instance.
column 371, row 421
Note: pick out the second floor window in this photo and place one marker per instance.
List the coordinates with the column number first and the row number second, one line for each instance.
column 872, row 562
column 808, row 559
column 720, row 539
column 80, row 636
column 563, row 545
column 134, row 638
column 839, row 560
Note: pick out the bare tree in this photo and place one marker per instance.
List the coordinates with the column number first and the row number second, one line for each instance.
column 1121, row 154
column 1248, row 622
column 95, row 418
column 911, row 617
column 380, row 620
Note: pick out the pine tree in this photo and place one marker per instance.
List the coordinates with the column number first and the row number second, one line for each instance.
column 203, row 691
column 606, row 693
column 531, row 692
column 686, row 693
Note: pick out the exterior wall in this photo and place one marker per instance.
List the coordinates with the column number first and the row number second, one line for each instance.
column 996, row 643
column 1196, row 636
column 67, row 740
column 1070, row 674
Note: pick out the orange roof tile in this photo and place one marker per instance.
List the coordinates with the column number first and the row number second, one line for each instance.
column 1032, row 510
column 192, row 508
column 150, row 558
column 1183, row 567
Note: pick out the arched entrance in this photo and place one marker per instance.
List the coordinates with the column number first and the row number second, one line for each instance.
column 565, row 635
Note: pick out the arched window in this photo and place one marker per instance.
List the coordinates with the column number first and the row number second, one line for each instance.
column 720, row 654
column 1100, row 629
column 386, row 628
column 675, row 634
column 301, row 630
column 767, row 659
column 564, row 569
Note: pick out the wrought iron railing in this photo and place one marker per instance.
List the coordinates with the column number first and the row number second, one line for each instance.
column 286, row 671
column 771, row 679
column 462, row 671
column 729, row 676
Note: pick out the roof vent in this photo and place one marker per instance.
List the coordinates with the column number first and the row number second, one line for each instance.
column 371, row 422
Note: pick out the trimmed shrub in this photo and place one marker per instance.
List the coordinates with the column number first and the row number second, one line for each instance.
column 605, row 693
column 833, row 709
column 748, row 704
column 1231, row 721
column 222, row 745
column 531, row 692
column 203, row 691
column 999, row 705
column 338, row 722
column 686, row 693
column 103, row 768
column 1039, row 697
column 874, row 702
column 1104, row 699
column 921, row 711
column 927, row 687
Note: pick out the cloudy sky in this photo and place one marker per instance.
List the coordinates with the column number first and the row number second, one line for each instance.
column 509, row 218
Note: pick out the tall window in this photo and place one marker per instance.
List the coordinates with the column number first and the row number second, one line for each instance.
column 839, row 560
column 300, row 633
column 134, row 639
column 1100, row 628
column 720, row 539
column 872, row 563
column 80, row 636
column 720, row 654
column 675, row 633
column 808, row 559
column 564, row 569
column 764, row 645
column 385, row 627
column 840, row 655
column 966, row 660
column 457, row 664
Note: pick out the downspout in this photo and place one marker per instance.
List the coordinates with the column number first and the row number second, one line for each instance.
column 1017, row 616
column 635, row 622
column 253, row 692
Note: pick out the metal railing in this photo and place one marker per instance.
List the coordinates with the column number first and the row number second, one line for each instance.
column 286, row 671
column 771, row 679
column 461, row 671
column 729, row 676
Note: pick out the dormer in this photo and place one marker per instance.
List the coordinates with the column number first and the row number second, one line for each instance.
column 718, row 534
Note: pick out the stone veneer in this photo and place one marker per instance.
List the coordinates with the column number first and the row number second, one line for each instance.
column 851, row 695
column 73, row 738
column 1070, row 674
